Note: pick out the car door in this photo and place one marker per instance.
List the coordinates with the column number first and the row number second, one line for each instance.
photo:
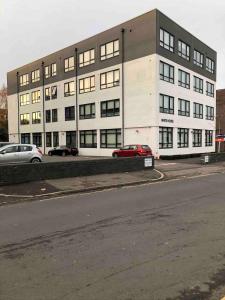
column 25, row 153
column 9, row 154
column 124, row 152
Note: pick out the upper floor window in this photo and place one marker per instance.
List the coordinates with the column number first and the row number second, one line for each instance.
column 209, row 89
column 50, row 70
column 87, row 111
column 86, row 58
column 36, row 117
column 198, row 58
column 55, row 115
column 24, row 119
column 87, row 85
column 24, row 99
column 198, row 85
column 69, row 64
column 24, row 79
column 183, row 107
column 184, row 79
column 110, row 108
column 53, row 69
column 109, row 50
column 210, row 65
column 198, row 110
column 183, row 50
column 166, row 104
column 209, row 113
column 69, row 113
column 69, row 88
column 166, row 72
column 36, row 96
column 35, row 75
column 109, row 79
column 166, row 40
column 51, row 93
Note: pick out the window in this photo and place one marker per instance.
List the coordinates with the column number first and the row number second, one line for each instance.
column 51, row 93
column 183, row 50
column 24, row 79
column 166, row 72
column 110, row 108
column 71, row 138
column 87, row 111
column 209, row 89
column 184, row 79
column 198, row 85
column 35, row 76
column 198, row 58
column 165, row 137
column 47, row 71
column 182, row 137
column 69, row 89
column 48, row 139
column 109, row 50
column 208, row 138
column 198, row 110
column 110, row 138
column 55, row 115
column 209, row 113
column 36, row 97
column 25, row 138
column 69, row 113
column 197, row 137
column 69, row 64
column 53, row 69
column 24, row 119
column 11, row 149
column 87, row 85
column 166, row 40
column 55, row 139
column 109, row 79
column 166, row 104
column 210, row 65
column 37, row 139
column 48, row 116
column 47, row 94
column 24, row 99
column 88, row 139
column 50, row 70
column 36, row 117
column 87, row 58
column 183, row 108
column 24, row 148
column 54, row 92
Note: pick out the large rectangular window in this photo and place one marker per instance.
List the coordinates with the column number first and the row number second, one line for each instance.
column 70, row 113
column 71, row 138
column 166, row 104
column 24, row 99
column 198, row 85
column 198, row 110
column 166, row 40
column 50, row 70
column 88, row 139
column 210, row 65
column 183, row 107
column 25, row 138
column 53, row 69
column 182, row 137
column 109, row 79
column 166, row 72
column 110, row 138
column 86, row 58
column 109, row 50
column 51, row 93
column 24, row 79
column 87, row 111
column 209, row 113
column 69, row 64
column 69, row 89
column 55, row 115
column 209, row 89
column 183, row 50
column 208, row 138
column 110, row 108
column 184, row 79
column 165, row 137
column 198, row 58
column 36, row 96
column 197, row 137
column 37, row 139
column 48, row 116
column 87, row 85
column 55, row 139
column 48, row 139
column 24, row 119
column 36, row 117
column 35, row 75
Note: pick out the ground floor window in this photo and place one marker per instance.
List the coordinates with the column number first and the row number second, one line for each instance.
column 37, row 139
column 165, row 137
column 48, row 139
column 88, row 139
column 110, row 138
column 182, row 137
column 197, row 137
column 71, row 138
column 55, row 139
column 25, row 138
column 208, row 138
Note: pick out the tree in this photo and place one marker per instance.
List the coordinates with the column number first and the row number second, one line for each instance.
column 3, row 97
column 3, row 114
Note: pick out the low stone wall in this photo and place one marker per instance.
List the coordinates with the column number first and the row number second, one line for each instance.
column 20, row 173
column 212, row 157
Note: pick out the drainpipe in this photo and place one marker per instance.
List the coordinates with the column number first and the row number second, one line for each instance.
column 18, row 104
column 43, row 101
column 122, row 77
column 76, row 106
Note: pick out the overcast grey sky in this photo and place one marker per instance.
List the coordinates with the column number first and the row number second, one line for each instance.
column 30, row 29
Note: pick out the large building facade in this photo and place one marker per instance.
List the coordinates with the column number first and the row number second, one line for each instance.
column 145, row 81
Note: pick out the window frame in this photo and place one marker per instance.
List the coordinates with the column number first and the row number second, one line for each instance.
column 116, row 110
column 197, row 142
column 89, row 82
column 85, row 116
column 162, row 33
column 91, row 54
column 209, row 114
column 198, row 62
column 36, row 117
column 186, row 82
column 208, row 138
column 197, row 110
column 68, row 67
column 184, row 54
column 70, row 92
column 112, row 54
column 186, row 112
column 109, row 84
column 182, row 142
column 170, row 77
column 35, row 76
column 162, row 106
column 25, row 119
column 105, row 133
column 69, row 113
column 84, row 134
column 198, row 85
column 168, row 132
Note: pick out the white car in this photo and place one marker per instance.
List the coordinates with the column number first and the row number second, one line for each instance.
column 20, row 153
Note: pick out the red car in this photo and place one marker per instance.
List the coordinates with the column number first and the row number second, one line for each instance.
column 133, row 150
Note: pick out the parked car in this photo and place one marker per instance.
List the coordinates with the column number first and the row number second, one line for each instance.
column 63, row 151
column 20, row 153
column 5, row 144
column 132, row 150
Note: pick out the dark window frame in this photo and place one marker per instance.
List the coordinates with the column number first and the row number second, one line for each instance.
column 69, row 113
column 83, row 115
column 38, row 137
column 83, row 136
column 186, row 112
column 114, row 112
column 183, row 142
column 208, row 138
column 105, row 133
column 186, row 82
column 197, row 110
column 165, row 133
column 186, row 53
column 163, row 108
column 198, row 85
column 209, row 113
column 162, row 43
column 162, row 72
column 111, row 54
column 197, row 138
column 109, row 84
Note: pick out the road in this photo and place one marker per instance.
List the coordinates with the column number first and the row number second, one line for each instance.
column 153, row 242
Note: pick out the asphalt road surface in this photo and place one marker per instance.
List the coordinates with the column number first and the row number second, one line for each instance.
column 153, row 242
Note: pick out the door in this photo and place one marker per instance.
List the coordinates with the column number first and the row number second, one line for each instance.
column 9, row 155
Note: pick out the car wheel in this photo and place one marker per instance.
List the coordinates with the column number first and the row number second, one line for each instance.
column 35, row 160
column 49, row 153
column 115, row 155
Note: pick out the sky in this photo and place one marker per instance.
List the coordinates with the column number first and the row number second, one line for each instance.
column 31, row 29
